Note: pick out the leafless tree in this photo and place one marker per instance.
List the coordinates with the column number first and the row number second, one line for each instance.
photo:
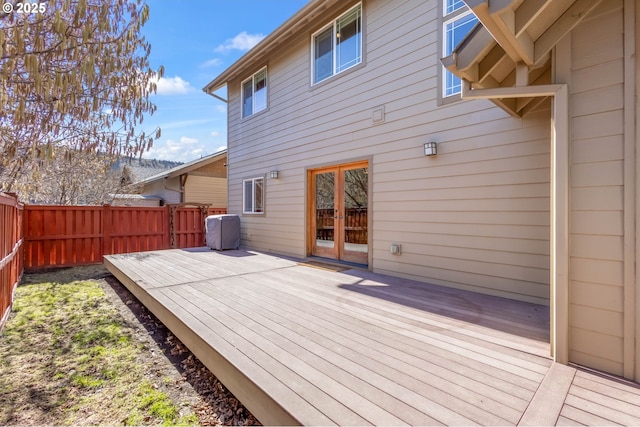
column 73, row 74
column 71, row 177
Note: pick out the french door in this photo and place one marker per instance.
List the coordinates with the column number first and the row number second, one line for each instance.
column 339, row 205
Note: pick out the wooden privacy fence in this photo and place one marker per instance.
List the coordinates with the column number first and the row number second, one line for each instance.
column 63, row 236
column 11, row 247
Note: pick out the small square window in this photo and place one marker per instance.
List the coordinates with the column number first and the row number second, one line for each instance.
column 254, row 93
column 253, row 195
column 338, row 46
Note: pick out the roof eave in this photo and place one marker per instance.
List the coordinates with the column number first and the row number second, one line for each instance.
column 185, row 168
column 290, row 28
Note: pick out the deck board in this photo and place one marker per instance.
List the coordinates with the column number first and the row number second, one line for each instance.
column 371, row 364
column 420, row 337
column 301, row 345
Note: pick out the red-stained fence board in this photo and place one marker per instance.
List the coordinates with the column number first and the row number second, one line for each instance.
column 11, row 251
column 64, row 236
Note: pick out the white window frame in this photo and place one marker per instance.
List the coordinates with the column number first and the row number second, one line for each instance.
column 333, row 24
column 253, row 93
column 253, row 181
column 458, row 10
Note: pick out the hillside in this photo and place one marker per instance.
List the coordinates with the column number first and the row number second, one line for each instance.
column 144, row 168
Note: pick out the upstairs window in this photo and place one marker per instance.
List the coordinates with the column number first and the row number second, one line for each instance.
column 254, row 93
column 253, row 195
column 338, row 46
column 457, row 21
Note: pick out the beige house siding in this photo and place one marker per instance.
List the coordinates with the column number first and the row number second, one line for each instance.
column 216, row 169
column 597, row 204
column 475, row 217
column 204, row 189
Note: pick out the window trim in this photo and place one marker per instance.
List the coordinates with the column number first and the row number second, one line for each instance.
column 333, row 24
column 253, row 189
column 445, row 19
column 253, row 100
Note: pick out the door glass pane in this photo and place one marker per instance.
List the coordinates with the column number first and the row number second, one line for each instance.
column 325, row 209
column 348, row 41
column 323, row 55
column 355, row 209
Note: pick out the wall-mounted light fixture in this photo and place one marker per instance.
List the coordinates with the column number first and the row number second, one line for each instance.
column 430, row 149
column 273, row 174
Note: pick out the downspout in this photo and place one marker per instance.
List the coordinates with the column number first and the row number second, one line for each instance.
column 208, row 91
column 559, row 233
column 226, row 101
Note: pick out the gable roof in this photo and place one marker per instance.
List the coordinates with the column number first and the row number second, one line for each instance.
column 301, row 21
column 185, row 168
column 512, row 44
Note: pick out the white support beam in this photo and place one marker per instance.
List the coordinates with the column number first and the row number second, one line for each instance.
column 523, row 45
column 559, row 235
column 499, row 19
column 527, row 13
column 522, row 74
column 490, row 62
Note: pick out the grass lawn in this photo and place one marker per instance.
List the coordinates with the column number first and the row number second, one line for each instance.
column 67, row 356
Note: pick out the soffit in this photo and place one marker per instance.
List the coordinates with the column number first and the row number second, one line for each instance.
column 512, row 44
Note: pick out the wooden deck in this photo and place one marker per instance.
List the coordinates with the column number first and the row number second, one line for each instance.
column 299, row 344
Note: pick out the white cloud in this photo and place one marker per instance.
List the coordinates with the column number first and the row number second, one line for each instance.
column 183, row 150
column 215, row 62
column 221, row 108
column 222, row 147
column 215, row 134
column 187, row 140
column 172, row 86
column 242, row 41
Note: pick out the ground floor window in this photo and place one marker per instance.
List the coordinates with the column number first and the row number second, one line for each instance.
column 253, row 195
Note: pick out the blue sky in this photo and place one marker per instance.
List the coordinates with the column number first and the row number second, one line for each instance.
column 196, row 40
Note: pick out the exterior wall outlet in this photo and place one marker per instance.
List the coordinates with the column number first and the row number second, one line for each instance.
column 396, row 248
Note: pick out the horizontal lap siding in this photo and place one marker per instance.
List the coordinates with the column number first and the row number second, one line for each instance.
column 597, row 148
column 475, row 217
column 206, row 189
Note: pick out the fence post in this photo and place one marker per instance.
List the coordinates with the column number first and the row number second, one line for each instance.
column 204, row 212
column 166, row 237
column 106, row 230
column 172, row 226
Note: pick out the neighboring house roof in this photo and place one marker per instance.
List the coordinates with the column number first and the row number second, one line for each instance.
column 185, row 168
column 134, row 196
column 303, row 20
column 512, row 44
